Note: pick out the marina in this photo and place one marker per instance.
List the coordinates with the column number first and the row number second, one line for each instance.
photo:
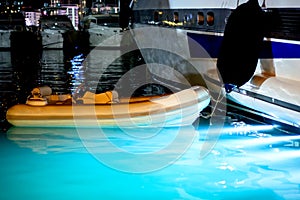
column 141, row 111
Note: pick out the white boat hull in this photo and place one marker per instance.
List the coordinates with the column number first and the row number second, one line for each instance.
column 268, row 110
column 5, row 39
column 279, row 64
column 104, row 36
column 52, row 40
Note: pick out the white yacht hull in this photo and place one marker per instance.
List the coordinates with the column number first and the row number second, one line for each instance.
column 52, row 40
column 101, row 34
column 5, row 39
column 274, row 88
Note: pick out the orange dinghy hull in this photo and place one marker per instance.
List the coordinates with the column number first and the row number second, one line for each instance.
column 178, row 109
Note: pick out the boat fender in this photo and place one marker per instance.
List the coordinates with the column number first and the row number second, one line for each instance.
column 242, row 43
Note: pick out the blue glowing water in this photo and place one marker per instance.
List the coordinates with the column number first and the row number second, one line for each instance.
column 39, row 163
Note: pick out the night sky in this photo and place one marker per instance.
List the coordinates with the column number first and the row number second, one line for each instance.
column 35, row 3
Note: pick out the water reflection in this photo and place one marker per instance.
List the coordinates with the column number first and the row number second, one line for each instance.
column 60, row 140
column 46, row 140
column 159, row 141
column 7, row 85
column 121, row 149
column 53, row 71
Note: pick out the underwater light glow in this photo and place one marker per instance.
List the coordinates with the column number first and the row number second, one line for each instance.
column 255, row 128
column 246, row 129
column 282, row 138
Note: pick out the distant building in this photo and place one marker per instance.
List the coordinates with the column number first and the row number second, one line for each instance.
column 74, row 9
column 71, row 10
column 31, row 18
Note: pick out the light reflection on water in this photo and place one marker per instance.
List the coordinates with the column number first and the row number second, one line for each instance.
column 54, row 163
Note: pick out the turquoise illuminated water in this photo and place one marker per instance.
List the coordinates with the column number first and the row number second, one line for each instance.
column 247, row 161
column 39, row 163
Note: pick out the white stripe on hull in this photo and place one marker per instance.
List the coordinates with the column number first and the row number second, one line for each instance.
column 277, row 113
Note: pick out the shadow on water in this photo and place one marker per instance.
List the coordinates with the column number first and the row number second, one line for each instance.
column 19, row 72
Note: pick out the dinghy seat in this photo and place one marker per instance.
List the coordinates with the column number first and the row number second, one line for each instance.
column 107, row 97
